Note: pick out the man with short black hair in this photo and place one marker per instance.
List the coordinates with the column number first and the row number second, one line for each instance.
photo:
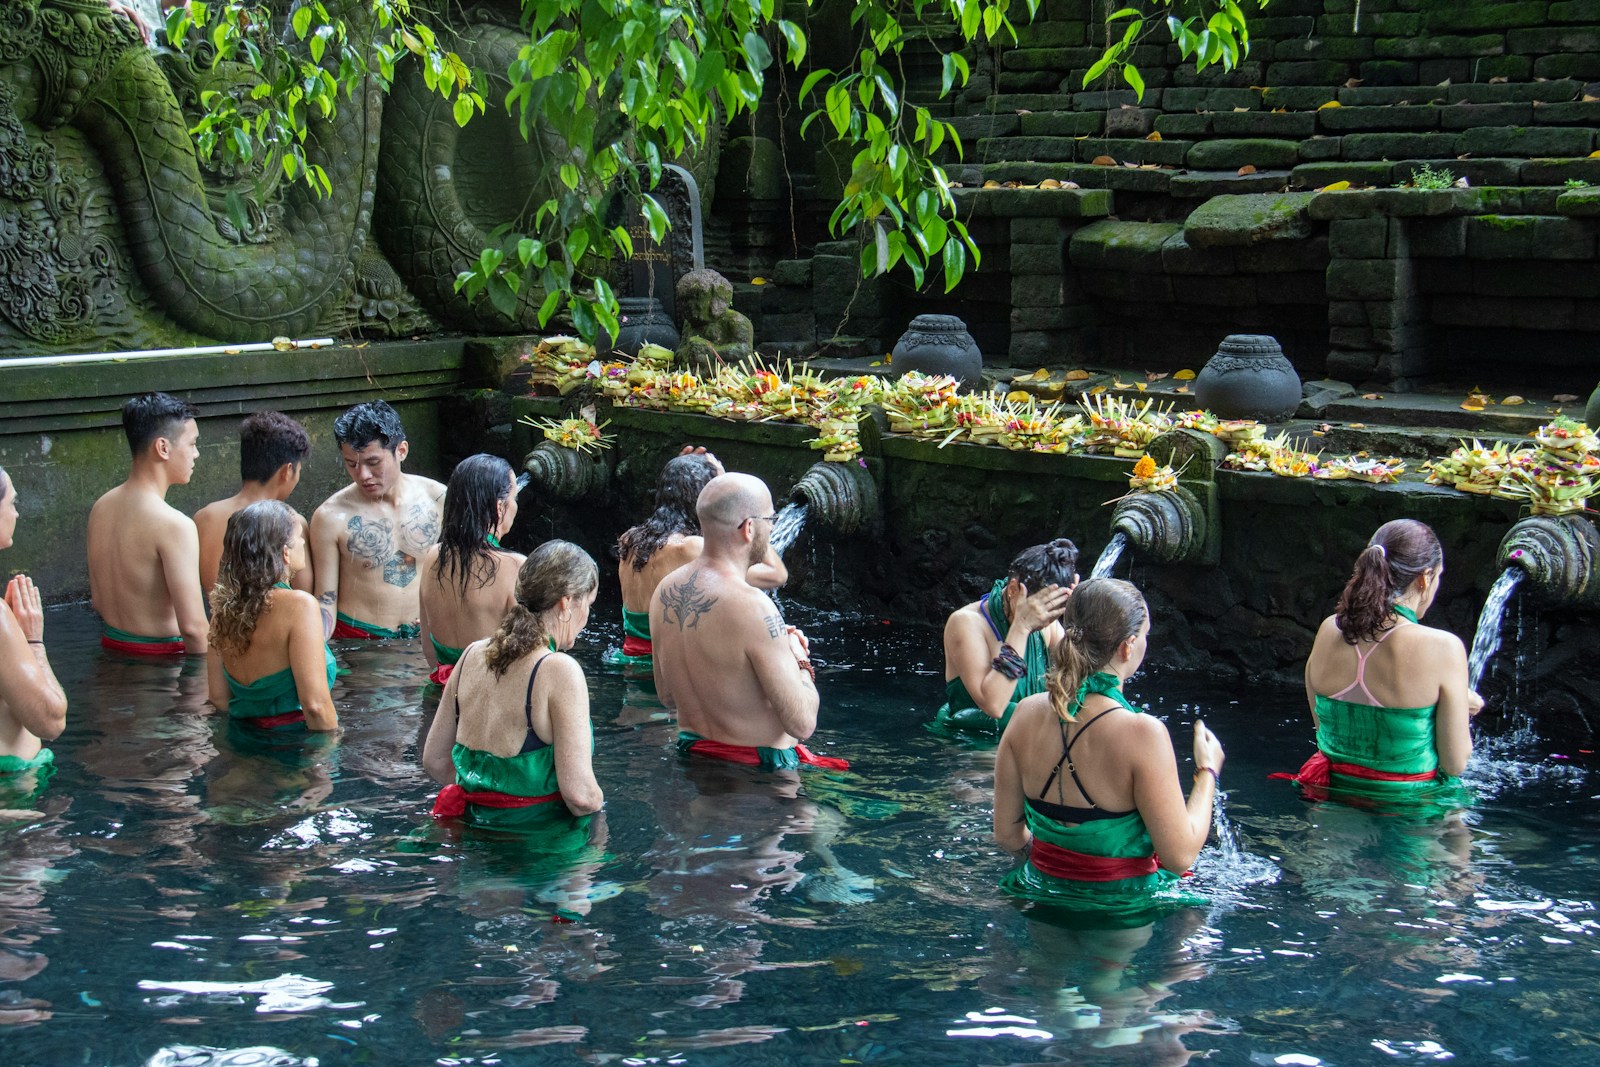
column 144, row 569
column 272, row 448
column 366, row 539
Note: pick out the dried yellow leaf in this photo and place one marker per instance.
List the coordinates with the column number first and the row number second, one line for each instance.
column 1141, row 386
column 1470, row 406
column 1184, row 376
column 1018, row 396
column 1512, row 401
column 1153, row 136
column 1330, row 103
column 1564, row 398
column 758, row 281
column 1077, row 375
column 1119, row 385
column 1041, row 374
column 1097, row 390
column 1334, row 187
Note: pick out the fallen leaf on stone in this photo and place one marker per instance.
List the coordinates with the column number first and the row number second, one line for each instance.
column 1153, row 136
column 1499, row 79
column 1070, row 185
column 1241, row 109
column 1050, row 183
column 283, row 344
column 758, row 281
column 1564, row 398
column 1246, row 169
column 1077, row 375
column 1512, row 401
column 1470, row 406
column 1280, row 111
column 1351, row 83
column 1594, row 155
column 1149, row 166
column 1023, row 111
column 1102, row 161
column 1154, row 376
column 876, row 363
column 1018, row 396
column 1040, row 374
column 1444, row 84
column 1097, row 390
column 1140, row 386
column 1119, row 385
column 1181, row 389
column 1184, row 375
column 1334, row 187
column 1590, row 99
column 1371, row 396
column 1330, row 103
column 1358, row 426
column 1318, row 433
column 991, row 184
column 1462, row 183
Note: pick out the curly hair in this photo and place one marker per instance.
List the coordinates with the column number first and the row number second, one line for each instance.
column 1399, row 552
column 1101, row 614
column 676, row 492
column 1052, row 563
column 252, row 562
column 471, row 508
column 553, row 570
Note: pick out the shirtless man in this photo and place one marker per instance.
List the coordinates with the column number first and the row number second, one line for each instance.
column 144, row 554
column 272, row 447
column 33, row 707
column 367, row 539
column 741, row 681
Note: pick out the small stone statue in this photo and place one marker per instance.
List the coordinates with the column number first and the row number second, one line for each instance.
column 712, row 331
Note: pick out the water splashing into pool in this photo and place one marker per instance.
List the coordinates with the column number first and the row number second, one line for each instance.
column 1486, row 642
column 1108, row 558
column 786, row 530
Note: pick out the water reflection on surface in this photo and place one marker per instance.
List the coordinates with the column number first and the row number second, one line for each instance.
column 185, row 895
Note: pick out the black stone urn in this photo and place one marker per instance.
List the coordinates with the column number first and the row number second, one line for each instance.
column 939, row 344
column 643, row 320
column 1249, row 378
column 1591, row 410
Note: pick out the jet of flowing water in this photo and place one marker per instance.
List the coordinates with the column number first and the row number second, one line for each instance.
column 1486, row 641
column 1108, row 558
column 791, row 520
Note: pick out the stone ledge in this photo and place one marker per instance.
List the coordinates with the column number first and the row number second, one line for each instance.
column 1399, row 203
column 1237, row 221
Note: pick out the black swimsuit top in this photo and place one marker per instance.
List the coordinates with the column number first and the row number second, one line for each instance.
column 533, row 742
column 1062, row 812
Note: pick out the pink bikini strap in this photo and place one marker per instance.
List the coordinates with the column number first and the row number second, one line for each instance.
column 1361, row 667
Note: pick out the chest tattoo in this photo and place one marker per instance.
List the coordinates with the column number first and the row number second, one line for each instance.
column 371, row 542
column 420, row 527
column 684, row 603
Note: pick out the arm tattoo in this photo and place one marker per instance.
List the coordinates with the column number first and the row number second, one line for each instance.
column 684, row 603
column 774, row 625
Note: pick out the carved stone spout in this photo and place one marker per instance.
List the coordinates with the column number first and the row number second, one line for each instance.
column 565, row 473
column 842, row 496
column 1559, row 556
column 1167, row 527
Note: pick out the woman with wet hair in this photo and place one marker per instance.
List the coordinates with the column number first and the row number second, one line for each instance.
column 1086, row 784
column 667, row 540
column 33, row 706
column 1389, row 696
column 512, row 732
column 996, row 648
column 269, row 667
column 469, row 581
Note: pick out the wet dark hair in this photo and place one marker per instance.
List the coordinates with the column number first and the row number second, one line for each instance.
column 477, row 486
column 252, row 561
column 1392, row 560
column 676, row 492
column 268, row 440
column 1101, row 614
column 369, row 422
column 553, row 570
column 1052, row 563
column 151, row 415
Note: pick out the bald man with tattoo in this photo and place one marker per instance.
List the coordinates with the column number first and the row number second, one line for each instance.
column 741, row 681
column 366, row 539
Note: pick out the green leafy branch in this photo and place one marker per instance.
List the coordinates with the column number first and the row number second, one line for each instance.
column 1206, row 31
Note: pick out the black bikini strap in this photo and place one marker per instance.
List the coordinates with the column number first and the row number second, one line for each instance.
column 527, row 703
column 1066, row 757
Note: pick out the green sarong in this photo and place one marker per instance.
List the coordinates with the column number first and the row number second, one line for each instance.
column 960, row 713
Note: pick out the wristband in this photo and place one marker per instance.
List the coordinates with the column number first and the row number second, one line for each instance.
column 33, row 641
column 805, row 665
column 1212, row 771
column 1009, row 663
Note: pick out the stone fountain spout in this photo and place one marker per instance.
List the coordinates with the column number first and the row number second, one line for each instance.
column 565, row 473
column 842, row 496
column 1168, row 527
column 1559, row 555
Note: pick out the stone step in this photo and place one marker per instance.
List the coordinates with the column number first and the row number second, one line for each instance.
column 1083, row 149
column 1086, row 175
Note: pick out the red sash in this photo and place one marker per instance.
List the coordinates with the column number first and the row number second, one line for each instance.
column 1064, row 863
column 1318, row 771
column 751, row 756
column 637, row 646
column 453, row 800
column 345, row 630
column 441, row 673
column 142, row 648
column 272, row 722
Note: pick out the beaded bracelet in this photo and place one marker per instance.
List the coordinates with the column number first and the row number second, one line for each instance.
column 806, row 666
column 1009, row 663
column 1212, row 771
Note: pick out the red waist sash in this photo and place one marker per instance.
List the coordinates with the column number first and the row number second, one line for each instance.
column 441, row 673
column 272, row 722
column 342, row 629
column 453, row 800
column 1060, row 862
column 751, row 755
column 143, row 648
column 1319, row 771
column 637, row 646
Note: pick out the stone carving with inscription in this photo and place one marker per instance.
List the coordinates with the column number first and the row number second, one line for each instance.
column 712, row 331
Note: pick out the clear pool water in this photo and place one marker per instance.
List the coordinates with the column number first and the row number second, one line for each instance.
column 184, row 900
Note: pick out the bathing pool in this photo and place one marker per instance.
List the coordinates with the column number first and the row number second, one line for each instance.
column 188, row 900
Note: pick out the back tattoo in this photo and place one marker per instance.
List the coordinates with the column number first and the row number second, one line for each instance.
column 684, row 603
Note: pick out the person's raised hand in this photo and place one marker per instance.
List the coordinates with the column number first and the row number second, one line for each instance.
column 22, row 596
column 1207, row 750
column 798, row 643
column 1038, row 610
column 1474, row 703
column 700, row 450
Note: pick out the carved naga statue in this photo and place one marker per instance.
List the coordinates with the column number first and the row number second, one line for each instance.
column 113, row 233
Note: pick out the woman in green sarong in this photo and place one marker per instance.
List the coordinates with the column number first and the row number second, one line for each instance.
column 995, row 649
column 33, row 706
column 512, row 743
column 1086, row 785
column 468, row 581
column 667, row 540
